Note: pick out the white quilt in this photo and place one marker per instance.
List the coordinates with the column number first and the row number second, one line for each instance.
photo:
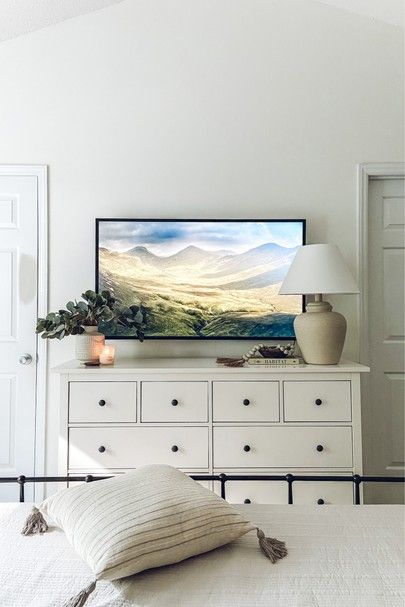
column 339, row 556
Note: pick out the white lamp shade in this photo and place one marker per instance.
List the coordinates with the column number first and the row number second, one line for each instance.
column 318, row 268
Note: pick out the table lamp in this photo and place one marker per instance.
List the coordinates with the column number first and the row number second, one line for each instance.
column 318, row 269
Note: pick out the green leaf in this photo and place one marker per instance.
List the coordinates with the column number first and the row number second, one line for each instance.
column 95, row 309
column 138, row 317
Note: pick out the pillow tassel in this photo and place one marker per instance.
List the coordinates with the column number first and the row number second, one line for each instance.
column 80, row 599
column 272, row 548
column 35, row 523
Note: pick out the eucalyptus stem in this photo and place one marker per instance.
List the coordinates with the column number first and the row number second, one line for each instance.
column 95, row 309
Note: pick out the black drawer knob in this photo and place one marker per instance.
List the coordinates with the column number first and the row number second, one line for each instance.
column 101, row 449
column 246, row 448
column 175, row 402
column 246, row 402
column 247, row 501
column 175, row 448
column 318, row 401
column 320, row 501
column 101, row 402
column 319, row 448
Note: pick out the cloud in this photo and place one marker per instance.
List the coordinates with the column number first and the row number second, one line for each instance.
column 168, row 237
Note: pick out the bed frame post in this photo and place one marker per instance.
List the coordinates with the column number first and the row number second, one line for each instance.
column 222, row 480
column 21, row 482
column 290, row 479
column 357, row 483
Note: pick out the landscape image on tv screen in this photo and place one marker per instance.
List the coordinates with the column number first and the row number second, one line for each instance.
column 202, row 279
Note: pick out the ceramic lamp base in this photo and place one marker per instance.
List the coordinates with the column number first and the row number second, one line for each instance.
column 320, row 334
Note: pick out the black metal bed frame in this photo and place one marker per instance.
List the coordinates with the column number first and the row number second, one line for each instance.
column 222, row 478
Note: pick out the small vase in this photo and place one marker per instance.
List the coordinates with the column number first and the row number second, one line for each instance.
column 89, row 345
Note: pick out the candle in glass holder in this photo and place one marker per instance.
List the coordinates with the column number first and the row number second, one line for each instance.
column 107, row 355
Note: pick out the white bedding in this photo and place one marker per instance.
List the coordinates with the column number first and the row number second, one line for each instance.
column 339, row 556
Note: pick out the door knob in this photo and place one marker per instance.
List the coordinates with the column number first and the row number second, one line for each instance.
column 25, row 359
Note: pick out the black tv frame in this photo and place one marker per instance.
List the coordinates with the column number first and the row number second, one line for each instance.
column 192, row 337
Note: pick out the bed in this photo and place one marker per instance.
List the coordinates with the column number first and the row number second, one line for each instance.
column 339, row 556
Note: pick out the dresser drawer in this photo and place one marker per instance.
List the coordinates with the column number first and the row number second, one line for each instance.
column 274, row 492
column 102, row 448
column 245, row 401
column 102, row 401
column 254, row 492
column 322, row 493
column 174, row 401
column 317, row 401
column 282, row 447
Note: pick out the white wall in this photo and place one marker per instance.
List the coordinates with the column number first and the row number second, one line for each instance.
column 202, row 108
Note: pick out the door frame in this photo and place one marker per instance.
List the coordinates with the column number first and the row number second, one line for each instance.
column 40, row 171
column 365, row 172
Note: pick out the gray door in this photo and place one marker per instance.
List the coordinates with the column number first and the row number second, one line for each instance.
column 383, row 413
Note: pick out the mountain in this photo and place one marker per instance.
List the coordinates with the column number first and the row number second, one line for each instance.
column 258, row 281
column 223, row 253
column 266, row 264
column 190, row 255
column 269, row 254
column 143, row 254
column 265, row 253
column 103, row 251
column 196, row 292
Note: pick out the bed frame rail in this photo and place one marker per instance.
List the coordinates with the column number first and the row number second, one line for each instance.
column 222, row 478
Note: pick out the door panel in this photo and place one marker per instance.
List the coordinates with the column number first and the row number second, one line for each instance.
column 8, row 301
column 7, row 417
column 18, row 309
column 384, row 415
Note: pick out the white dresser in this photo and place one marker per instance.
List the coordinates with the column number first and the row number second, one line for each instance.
column 203, row 418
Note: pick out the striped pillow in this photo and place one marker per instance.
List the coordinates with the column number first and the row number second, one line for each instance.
column 153, row 516
column 147, row 518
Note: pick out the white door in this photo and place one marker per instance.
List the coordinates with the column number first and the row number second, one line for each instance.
column 18, row 310
column 384, row 436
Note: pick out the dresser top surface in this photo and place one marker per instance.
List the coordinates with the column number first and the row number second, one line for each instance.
column 202, row 365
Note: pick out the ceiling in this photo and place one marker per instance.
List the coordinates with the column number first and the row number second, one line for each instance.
column 19, row 17
column 388, row 11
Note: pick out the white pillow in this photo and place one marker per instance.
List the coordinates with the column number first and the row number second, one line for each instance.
column 153, row 516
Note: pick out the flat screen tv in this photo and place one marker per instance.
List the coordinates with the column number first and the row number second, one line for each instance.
column 202, row 279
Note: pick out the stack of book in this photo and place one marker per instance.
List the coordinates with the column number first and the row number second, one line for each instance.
column 275, row 362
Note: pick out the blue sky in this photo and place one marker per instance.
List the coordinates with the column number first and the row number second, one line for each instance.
column 168, row 237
